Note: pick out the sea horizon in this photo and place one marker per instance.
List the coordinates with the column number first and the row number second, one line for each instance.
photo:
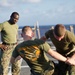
column 44, row 28
column 20, row 27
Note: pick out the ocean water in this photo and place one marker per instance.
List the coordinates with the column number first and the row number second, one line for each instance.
column 43, row 29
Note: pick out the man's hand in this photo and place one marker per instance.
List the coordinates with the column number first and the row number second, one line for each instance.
column 3, row 47
column 70, row 61
column 18, row 58
column 43, row 38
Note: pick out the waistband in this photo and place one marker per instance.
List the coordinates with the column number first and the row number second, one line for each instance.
column 9, row 43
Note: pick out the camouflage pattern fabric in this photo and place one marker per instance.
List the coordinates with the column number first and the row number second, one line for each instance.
column 5, row 57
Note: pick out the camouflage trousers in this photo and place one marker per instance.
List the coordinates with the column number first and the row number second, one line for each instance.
column 5, row 57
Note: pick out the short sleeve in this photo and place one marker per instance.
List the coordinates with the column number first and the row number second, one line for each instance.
column 45, row 46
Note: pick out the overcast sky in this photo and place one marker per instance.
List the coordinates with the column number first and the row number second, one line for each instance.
column 46, row 12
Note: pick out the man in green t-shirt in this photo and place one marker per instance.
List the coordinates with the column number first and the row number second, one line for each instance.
column 33, row 52
column 64, row 41
column 9, row 32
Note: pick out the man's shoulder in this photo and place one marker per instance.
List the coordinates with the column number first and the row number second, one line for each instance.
column 49, row 31
column 3, row 22
column 68, row 32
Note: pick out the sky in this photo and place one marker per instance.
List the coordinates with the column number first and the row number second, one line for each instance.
column 45, row 12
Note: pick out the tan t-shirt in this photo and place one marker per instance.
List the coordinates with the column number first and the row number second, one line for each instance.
column 65, row 45
column 8, row 32
column 33, row 52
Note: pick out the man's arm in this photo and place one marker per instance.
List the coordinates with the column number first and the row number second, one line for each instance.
column 56, row 55
column 15, row 59
column 59, row 57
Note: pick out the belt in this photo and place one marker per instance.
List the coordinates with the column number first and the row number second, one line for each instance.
column 9, row 43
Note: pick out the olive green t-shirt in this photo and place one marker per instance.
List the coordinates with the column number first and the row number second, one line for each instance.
column 33, row 52
column 9, row 32
column 65, row 45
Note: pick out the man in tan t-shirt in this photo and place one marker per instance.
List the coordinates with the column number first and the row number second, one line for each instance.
column 64, row 41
